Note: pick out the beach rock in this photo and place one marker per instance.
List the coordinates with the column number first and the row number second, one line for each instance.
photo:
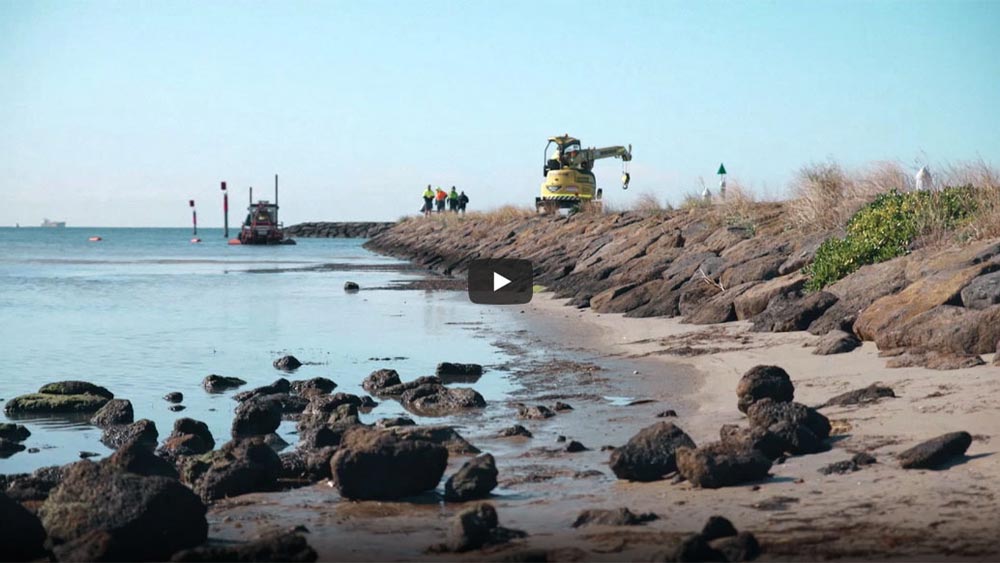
column 316, row 385
column 766, row 413
column 275, row 441
column 574, row 447
column 795, row 438
column 936, row 452
column 9, row 448
column 288, row 404
column 858, row 461
column 791, row 312
column 275, row 547
column 720, row 308
column 760, row 439
column 255, row 417
column 946, row 361
column 351, row 286
column 516, row 430
column 438, row 400
column 996, row 357
column 717, row 527
column 669, row 413
column 280, row 387
column 134, row 517
column 395, row 391
column 21, row 533
column 287, row 363
column 241, row 466
column 394, row 421
column 137, row 457
column 741, row 547
column 695, row 548
column 176, row 408
column 367, row 404
column 865, row 395
column 537, row 412
column 454, row 372
column 474, row 480
column 612, row 517
column 836, row 342
column 52, row 403
column 377, row 465
column 478, row 527
column 190, row 426
column 174, row 397
column 754, row 301
column 859, row 290
column 719, row 465
column 14, row 432
column 379, row 380
column 310, row 465
column 650, row 454
column 143, row 430
column 115, row 411
column 75, row 388
column 189, row 437
column 982, row 292
column 219, row 383
column 441, row 435
column 761, row 382
column 36, row 486
column 88, row 455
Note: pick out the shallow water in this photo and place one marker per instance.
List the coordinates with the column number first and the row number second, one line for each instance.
column 146, row 312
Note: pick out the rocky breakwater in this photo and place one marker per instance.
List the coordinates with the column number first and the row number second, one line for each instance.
column 937, row 306
column 322, row 229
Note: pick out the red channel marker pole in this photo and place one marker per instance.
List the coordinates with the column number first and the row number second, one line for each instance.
column 194, row 217
column 225, row 210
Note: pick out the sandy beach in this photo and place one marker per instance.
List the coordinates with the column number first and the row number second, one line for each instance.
column 879, row 512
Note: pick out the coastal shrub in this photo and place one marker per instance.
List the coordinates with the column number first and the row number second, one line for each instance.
column 888, row 227
column 825, row 196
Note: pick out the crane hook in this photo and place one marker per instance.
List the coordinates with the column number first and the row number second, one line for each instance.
column 626, row 178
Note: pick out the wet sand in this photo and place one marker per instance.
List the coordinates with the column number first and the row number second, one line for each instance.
column 601, row 363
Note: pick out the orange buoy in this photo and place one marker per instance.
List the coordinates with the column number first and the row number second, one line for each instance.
column 195, row 240
column 234, row 241
column 95, row 239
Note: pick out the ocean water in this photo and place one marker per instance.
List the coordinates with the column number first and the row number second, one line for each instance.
column 145, row 312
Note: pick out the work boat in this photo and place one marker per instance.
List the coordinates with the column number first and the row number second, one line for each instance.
column 54, row 224
column 261, row 225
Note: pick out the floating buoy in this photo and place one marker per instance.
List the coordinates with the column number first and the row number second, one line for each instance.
column 196, row 240
column 95, row 239
column 234, row 241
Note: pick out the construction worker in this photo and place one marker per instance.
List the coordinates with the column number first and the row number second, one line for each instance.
column 428, row 201
column 453, row 200
column 463, row 200
column 440, row 196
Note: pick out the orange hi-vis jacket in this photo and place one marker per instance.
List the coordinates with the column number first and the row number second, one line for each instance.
column 441, row 194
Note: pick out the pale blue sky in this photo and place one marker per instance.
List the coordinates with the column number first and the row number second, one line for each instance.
column 116, row 113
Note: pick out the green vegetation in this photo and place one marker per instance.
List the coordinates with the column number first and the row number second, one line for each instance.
column 887, row 228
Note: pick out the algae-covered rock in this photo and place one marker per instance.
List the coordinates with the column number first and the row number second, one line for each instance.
column 49, row 403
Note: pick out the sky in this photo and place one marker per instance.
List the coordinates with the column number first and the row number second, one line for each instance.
column 118, row 113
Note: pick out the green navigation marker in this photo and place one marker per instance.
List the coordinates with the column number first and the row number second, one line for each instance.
column 722, row 169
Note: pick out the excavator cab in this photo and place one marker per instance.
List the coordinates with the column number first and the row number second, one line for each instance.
column 569, row 180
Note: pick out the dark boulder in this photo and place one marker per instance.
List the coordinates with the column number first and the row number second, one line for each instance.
column 137, row 457
column 516, row 430
column 190, row 437
column 394, row 421
column 936, row 453
column 174, row 397
column 575, row 447
column 21, row 533
column 287, row 363
column 791, row 312
column 255, row 417
column 280, row 387
column 52, row 403
column 9, row 448
column 767, row 412
column 351, row 287
column 983, row 292
column 537, row 412
column 14, row 432
column 143, row 430
column 241, row 466
column 612, row 517
column 870, row 394
column 474, row 480
column 115, row 411
column 219, row 383
column 695, row 548
column 718, row 527
column 438, row 400
column 198, row 428
column 75, row 388
column 454, row 372
column 37, row 485
column 858, row 461
column 276, row 547
column 719, row 465
column 650, row 454
column 764, row 382
column 478, row 527
column 741, row 547
column 378, row 465
column 379, row 380
column 314, row 386
column 766, row 442
column 121, row 515
column 836, row 342
column 441, row 435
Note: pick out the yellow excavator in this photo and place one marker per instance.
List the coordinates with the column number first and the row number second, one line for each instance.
column 569, row 180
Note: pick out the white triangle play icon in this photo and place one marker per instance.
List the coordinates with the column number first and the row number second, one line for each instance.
column 499, row 281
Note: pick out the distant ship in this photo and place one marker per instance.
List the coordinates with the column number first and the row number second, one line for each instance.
column 54, row 224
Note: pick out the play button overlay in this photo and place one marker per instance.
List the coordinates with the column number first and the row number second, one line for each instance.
column 500, row 282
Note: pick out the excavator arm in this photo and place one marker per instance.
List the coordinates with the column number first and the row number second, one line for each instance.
column 592, row 154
